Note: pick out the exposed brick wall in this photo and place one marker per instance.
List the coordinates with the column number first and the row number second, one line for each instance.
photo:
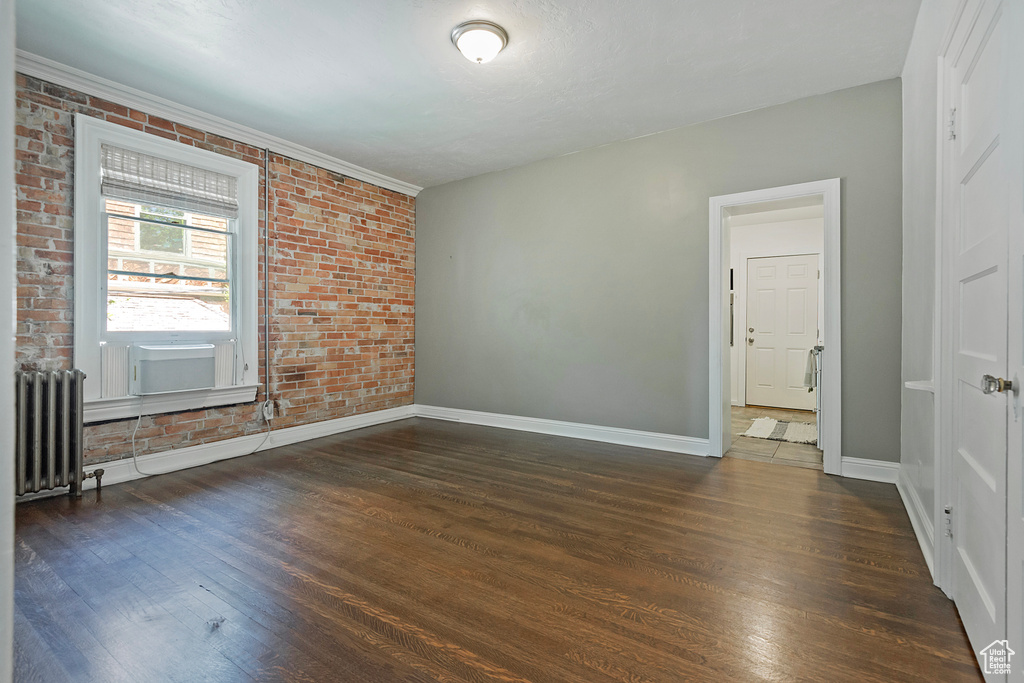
column 343, row 279
column 341, row 282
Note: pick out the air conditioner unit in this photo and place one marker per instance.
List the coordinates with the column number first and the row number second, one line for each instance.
column 160, row 369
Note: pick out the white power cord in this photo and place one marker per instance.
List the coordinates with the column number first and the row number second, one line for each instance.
column 266, row 412
column 135, row 458
column 266, row 409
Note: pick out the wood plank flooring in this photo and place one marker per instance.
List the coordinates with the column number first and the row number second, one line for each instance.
column 425, row 550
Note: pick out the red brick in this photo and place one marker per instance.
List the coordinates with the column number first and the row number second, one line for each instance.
column 160, row 133
column 158, row 122
column 190, row 132
column 97, row 103
column 128, row 123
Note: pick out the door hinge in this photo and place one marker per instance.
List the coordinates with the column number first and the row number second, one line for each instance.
column 949, row 520
column 952, row 123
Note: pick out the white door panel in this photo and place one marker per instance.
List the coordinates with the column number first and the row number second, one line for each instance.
column 796, row 369
column 764, row 368
column 765, row 301
column 782, row 327
column 975, row 204
column 796, row 310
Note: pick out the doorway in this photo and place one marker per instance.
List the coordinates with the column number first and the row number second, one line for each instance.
column 769, row 447
column 759, row 361
column 776, row 250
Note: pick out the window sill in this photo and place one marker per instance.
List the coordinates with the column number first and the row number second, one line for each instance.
column 103, row 409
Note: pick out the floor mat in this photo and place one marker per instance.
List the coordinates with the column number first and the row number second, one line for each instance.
column 779, row 430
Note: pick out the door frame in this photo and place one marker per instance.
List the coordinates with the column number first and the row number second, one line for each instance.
column 719, row 381
column 8, row 242
column 942, row 341
column 1014, row 140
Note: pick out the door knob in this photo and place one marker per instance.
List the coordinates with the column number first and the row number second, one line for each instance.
column 990, row 384
column 750, row 341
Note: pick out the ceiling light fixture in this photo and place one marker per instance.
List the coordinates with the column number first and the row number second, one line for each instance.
column 479, row 41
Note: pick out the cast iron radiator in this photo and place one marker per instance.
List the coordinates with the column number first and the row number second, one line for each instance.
column 48, row 431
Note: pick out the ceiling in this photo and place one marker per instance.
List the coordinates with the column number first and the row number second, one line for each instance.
column 778, row 214
column 793, row 208
column 378, row 83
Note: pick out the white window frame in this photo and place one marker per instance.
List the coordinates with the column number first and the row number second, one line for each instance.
column 91, row 269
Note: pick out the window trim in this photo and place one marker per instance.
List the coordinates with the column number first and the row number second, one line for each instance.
column 90, row 270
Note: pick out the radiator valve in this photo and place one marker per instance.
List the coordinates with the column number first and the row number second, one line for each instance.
column 98, row 473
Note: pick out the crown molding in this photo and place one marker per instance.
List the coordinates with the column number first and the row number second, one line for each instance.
column 70, row 77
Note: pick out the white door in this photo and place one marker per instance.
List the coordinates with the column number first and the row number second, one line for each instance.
column 1014, row 136
column 782, row 328
column 976, row 206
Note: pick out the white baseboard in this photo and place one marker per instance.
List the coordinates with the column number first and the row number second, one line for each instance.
column 920, row 520
column 871, row 470
column 192, row 456
column 182, row 458
column 623, row 437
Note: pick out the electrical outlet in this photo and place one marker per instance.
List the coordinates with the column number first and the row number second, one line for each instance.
column 268, row 410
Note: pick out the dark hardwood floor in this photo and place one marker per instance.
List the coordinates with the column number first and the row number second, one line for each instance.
column 426, row 550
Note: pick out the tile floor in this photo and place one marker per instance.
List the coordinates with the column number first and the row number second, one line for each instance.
column 764, row 450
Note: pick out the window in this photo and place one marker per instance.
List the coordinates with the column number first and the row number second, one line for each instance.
column 160, row 235
column 166, row 269
column 165, row 261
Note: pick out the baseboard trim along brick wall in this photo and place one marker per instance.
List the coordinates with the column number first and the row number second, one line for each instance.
column 204, row 454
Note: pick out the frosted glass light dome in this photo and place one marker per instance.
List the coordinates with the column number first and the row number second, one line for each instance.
column 479, row 41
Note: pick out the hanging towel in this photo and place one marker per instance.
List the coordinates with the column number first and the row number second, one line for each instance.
column 811, row 374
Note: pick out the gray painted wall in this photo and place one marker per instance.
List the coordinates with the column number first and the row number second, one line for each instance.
column 576, row 288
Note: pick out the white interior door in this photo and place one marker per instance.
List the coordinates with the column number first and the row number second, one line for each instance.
column 782, row 328
column 976, row 207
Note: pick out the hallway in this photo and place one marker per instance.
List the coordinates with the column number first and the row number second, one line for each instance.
column 765, row 450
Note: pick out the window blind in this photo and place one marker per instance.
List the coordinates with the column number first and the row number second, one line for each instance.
column 126, row 174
